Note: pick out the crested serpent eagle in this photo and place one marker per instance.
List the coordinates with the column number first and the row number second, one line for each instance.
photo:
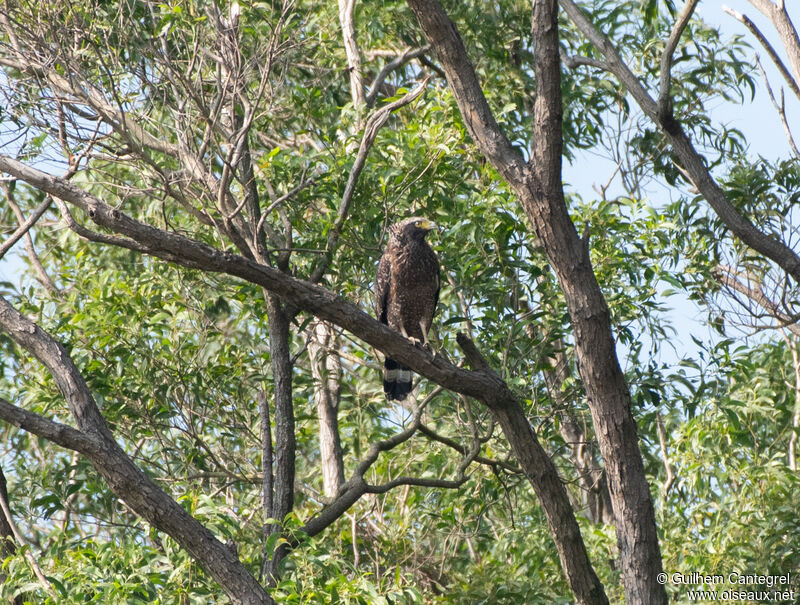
column 406, row 293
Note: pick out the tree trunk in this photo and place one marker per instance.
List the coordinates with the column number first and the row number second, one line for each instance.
column 539, row 187
column 284, row 448
column 327, row 371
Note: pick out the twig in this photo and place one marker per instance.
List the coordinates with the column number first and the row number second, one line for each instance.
column 28, row 554
column 662, row 440
column 374, row 124
column 727, row 276
column 286, row 196
column 24, row 227
column 781, row 109
column 767, row 46
column 44, row 278
column 573, row 61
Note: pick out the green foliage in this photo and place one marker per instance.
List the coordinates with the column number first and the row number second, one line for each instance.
column 176, row 358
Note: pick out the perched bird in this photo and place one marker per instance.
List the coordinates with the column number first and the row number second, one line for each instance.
column 406, row 293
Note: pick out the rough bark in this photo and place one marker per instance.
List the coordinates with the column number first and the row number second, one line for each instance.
column 285, row 443
column 129, row 483
column 595, row 497
column 538, row 185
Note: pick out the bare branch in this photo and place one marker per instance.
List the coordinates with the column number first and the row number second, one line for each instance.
column 751, row 287
column 374, row 124
column 60, row 434
column 777, row 14
column 26, row 226
column 762, row 39
column 44, row 278
column 93, row 236
column 346, row 10
column 397, row 62
column 573, row 61
column 662, row 441
column 780, row 108
column 463, row 449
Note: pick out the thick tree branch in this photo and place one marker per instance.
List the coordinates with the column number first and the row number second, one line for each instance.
column 304, row 295
column 113, row 464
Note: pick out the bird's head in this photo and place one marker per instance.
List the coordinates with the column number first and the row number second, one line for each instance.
column 416, row 227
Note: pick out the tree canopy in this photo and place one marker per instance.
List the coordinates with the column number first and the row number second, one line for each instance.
column 195, row 196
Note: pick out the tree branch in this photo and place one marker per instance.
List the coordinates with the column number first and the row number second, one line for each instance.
column 693, row 163
column 26, row 226
column 762, row 39
column 751, row 288
column 374, row 124
column 664, row 96
column 780, row 108
column 397, row 62
column 777, row 14
column 113, row 464
column 346, row 10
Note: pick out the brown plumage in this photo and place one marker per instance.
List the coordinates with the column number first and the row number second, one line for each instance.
column 406, row 293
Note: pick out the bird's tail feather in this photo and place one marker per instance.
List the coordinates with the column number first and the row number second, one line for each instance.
column 396, row 380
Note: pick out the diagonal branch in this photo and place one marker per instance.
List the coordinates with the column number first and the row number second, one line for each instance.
column 692, row 162
column 762, row 39
column 113, row 464
column 664, row 96
column 26, row 226
column 401, row 59
column 374, row 124
column 778, row 15
column 780, row 108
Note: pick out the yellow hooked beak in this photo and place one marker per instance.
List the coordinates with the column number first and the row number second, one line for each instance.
column 426, row 225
